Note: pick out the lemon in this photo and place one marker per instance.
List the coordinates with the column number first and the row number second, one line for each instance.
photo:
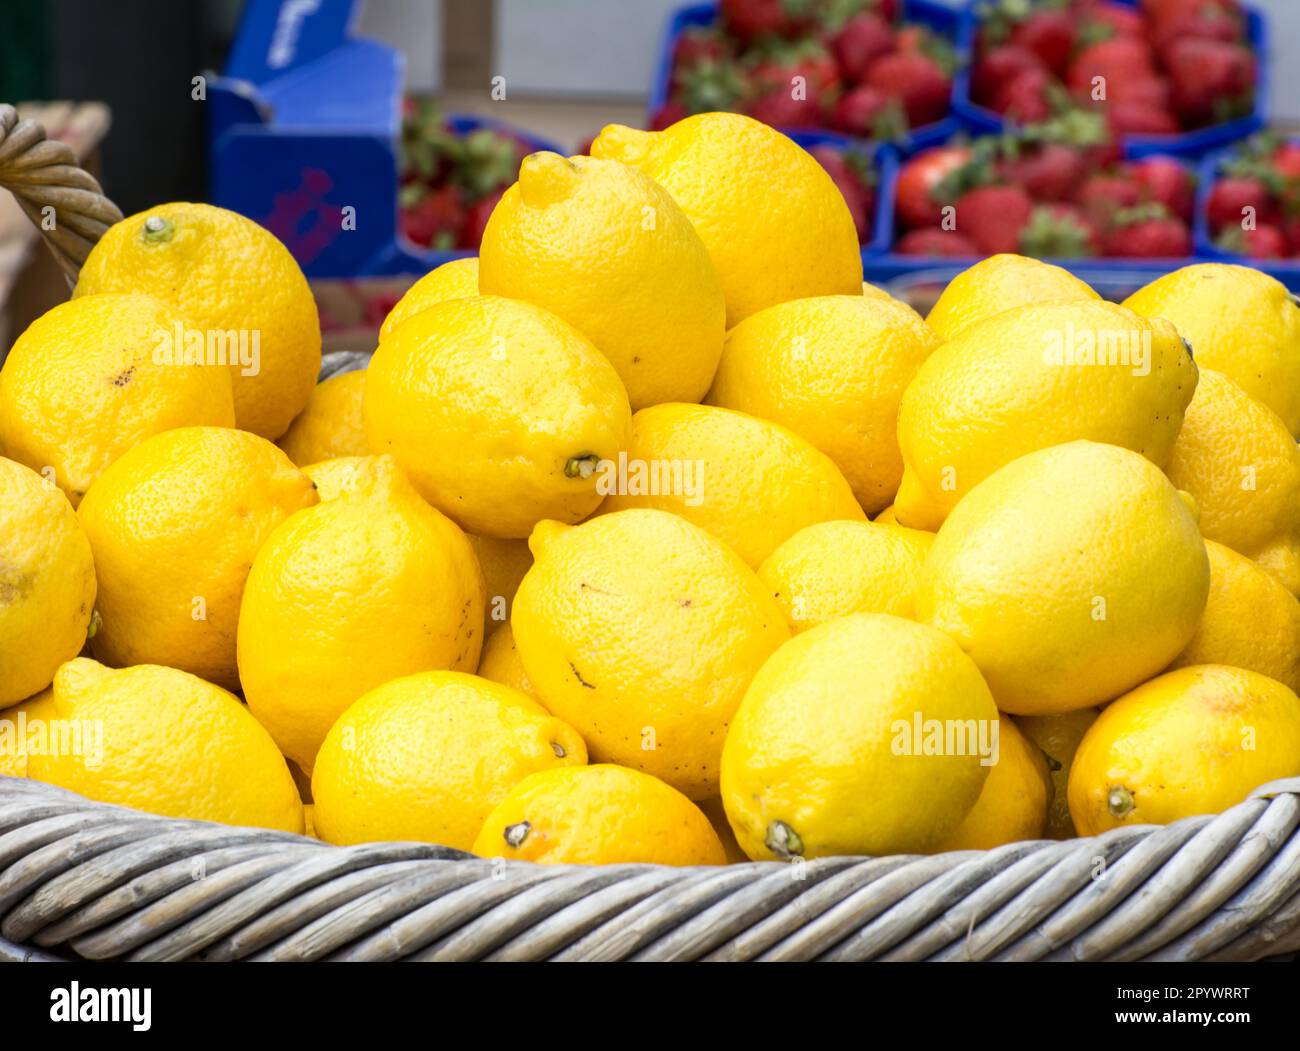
column 1070, row 575
column 1236, row 457
column 1250, row 621
column 25, row 727
column 1013, row 804
column 453, row 280
column 832, row 569
column 239, row 289
column 999, row 283
column 166, row 742
column 501, row 663
column 1058, row 737
column 174, row 525
column 749, row 481
column 598, row 815
column 1240, row 322
column 47, row 583
column 833, row 370
column 774, row 223
column 886, row 517
column 846, row 742
column 82, row 385
column 1029, row 378
column 498, row 411
column 427, row 757
column 333, row 478
column 331, row 425
column 642, row 631
column 344, row 596
column 604, row 247
column 1193, row 741
column 504, row 563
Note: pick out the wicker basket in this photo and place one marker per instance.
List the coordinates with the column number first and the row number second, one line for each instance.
column 88, row 880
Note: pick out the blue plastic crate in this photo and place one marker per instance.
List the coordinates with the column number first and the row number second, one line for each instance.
column 1286, row 271
column 1190, row 144
column 885, row 163
column 305, row 123
column 938, row 17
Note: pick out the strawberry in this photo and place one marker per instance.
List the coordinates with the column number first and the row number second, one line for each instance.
column 748, row 19
column 1050, row 172
column 476, row 220
column 1148, row 231
column 1230, row 198
column 1137, row 118
column 1115, row 60
column 999, row 66
column 916, row 202
column 1203, row 20
column 1291, row 231
column 1105, row 20
column 918, row 81
column 699, row 44
column 1107, row 193
column 859, row 42
column 851, row 176
column 667, row 115
column 870, row 113
column 779, row 108
column 1050, row 35
column 1262, row 242
column 994, row 217
column 1151, row 90
column 1167, row 182
column 933, row 241
column 1209, row 80
column 1060, row 231
column 1286, row 159
column 1027, row 98
column 433, row 219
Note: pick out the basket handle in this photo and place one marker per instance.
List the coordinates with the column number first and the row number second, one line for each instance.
column 43, row 174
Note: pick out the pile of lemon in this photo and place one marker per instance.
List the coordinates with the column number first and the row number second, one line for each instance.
column 652, row 534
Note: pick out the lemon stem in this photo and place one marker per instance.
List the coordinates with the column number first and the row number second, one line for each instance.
column 782, row 840
column 1119, row 801
column 583, row 466
column 158, row 229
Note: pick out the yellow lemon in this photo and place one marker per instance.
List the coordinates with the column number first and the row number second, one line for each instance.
column 453, row 280
column 331, row 425
column 1013, row 804
column 428, row 756
column 643, row 630
column 886, row 517
column 501, row 662
column 1240, row 322
column 833, row 370
column 831, row 569
column 334, row 478
column 1069, row 575
column 1193, row 741
column 47, row 583
column 604, row 247
column 166, row 742
column 1250, row 621
column 846, row 742
column 999, row 283
column 347, row 595
column 239, row 289
column 1236, row 457
column 174, row 525
column 1058, row 737
column 25, row 727
column 756, row 198
column 498, row 412
column 504, row 563
column 598, row 815
column 82, row 385
column 1033, row 377
column 749, row 481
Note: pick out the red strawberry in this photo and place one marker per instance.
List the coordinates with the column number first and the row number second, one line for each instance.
column 477, row 219
column 915, row 203
column 938, row 242
column 781, row 109
column 1027, row 98
column 1050, row 172
column 435, row 219
column 1106, row 193
column 1147, row 232
column 1286, row 159
column 994, row 217
column 1262, row 242
column 747, row 19
column 698, row 44
column 999, row 66
column 666, row 115
column 918, row 81
column 1150, row 90
column 1203, row 19
column 1230, row 198
column 862, row 39
column 1167, row 182
column 1291, row 231
column 1060, row 231
column 870, row 113
column 1209, row 79
column 1106, row 20
column 1115, row 60
column 1050, row 35
column 1136, row 118
column 848, row 176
